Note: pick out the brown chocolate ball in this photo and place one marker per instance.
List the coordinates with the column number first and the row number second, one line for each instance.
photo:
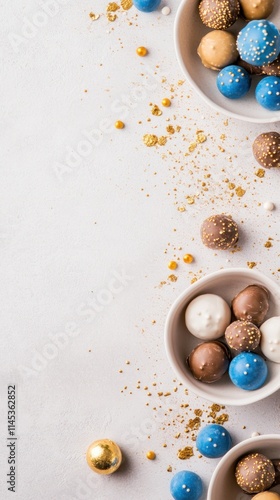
column 251, row 304
column 242, row 336
column 254, row 473
column 252, row 9
column 267, row 495
column 276, row 463
column 219, row 14
column 219, row 232
column 266, row 149
column 253, row 70
column 209, row 361
column 272, row 69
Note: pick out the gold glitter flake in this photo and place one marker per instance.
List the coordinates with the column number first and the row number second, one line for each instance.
column 240, row 192
column 268, row 244
column 260, row 172
column 172, row 278
column 251, row 264
column 112, row 7
column 185, row 453
column 111, row 17
column 126, row 4
column 181, row 209
column 162, row 140
column 170, row 129
column 200, row 137
column 155, row 110
column 150, row 140
column 93, row 16
column 192, row 147
column 190, row 200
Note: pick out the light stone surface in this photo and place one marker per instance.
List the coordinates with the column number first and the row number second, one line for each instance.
column 90, row 218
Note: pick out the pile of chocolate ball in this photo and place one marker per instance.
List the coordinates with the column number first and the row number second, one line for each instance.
column 254, row 51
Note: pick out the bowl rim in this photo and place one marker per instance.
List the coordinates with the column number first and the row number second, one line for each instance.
column 203, row 96
column 234, row 454
column 252, row 396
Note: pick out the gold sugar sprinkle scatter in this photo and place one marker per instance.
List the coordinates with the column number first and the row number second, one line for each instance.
column 166, row 102
column 150, row 455
column 150, row 140
column 93, row 16
column 190, row 200
column 112, row 7
column 172, row 265
column 188, row 258
column 162, row 140
column 155, row 110
column 251, row 264
column 126, row 4
column 111, row 17
column 185, row 453
column 170, row 129
column 240, row 192
column 260, row 172
column 119, row 124
column 172, row 277
column 142, row 51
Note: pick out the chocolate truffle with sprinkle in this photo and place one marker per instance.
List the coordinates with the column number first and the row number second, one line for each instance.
column 266, row 149
column 255, row 473
column 242, row 336
column 219, row 232
column 219, row 14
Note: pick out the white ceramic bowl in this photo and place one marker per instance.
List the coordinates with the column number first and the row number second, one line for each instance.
column 179, row 342
column 223, row 484
column 189, row 30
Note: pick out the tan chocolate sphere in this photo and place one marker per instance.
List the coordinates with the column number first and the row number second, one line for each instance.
column 256, row 9
column 217, row 49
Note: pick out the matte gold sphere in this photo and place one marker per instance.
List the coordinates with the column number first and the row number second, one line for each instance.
column 104, row 456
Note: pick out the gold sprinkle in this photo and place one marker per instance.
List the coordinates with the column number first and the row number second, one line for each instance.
column 112, row 7
column 190, row 200
column 172, row 265
column 200, row 137
column 119, row 124
column 111, row 17
column 268, row 244
column 150, row 455
column 166, row 102
column 93, row 16
column 192, row 147
column 185, row 453
column 172, row 277
column 155, row 110
column 170, row 129
column 150, row 140
column 188, row 258
column 181, row 209
column 127, row 362
column 260, row 172
column 181, row 82
column 169, row 468
column 126, row 4
column 239, row 191
column 142, row 51
column 164, row 445
column 162, row 140
column 231, row 185
column 251, row 264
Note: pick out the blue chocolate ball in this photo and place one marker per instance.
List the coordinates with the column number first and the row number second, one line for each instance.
column 213, row 441
column 259, row 42
column 186, row 485
column 233, row 81
column 248, row 371
column 146, row 5
column 268, row 93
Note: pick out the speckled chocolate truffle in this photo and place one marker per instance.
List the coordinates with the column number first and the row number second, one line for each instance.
column 252, row 70
column 272, row 69
column 254, row 473
column 256, row 9
column 209, row 361
column 276, row 463
column 251, row 304
column 266, row 149
column 242, row 336
column 217, row 49
column 219, row 14
column 219, row 232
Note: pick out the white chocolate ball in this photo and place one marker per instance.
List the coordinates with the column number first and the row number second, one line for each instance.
column 207, row 316
column 270, row 339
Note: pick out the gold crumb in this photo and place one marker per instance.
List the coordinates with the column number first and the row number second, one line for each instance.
column 112, row 7
column 93, row 16
column 200, row 137
column 190, row 200
column 111, row 17
column 192, row 147
column 239, row 191
column 150, row 140
column 126, row 4
column 268, row 244
column 251, row 264
column 170, row 129
column 162, row 140
column 260, row 172
column 185, row 453
column 155, row 110
column 169, row 468
column 181, row 209
column 172, row 277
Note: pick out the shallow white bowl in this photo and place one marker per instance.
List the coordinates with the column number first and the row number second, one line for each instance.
column 188, row 32
column 223, row 484
column 179, row 342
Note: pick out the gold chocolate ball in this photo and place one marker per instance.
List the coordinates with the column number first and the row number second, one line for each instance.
column 104, row 456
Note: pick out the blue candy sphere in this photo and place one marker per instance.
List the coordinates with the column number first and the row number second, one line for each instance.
column 186, row 485
column 268, row 93
column 248, row 371
column 146, row 5
column 213, row 441
column 259, row 42
column 233, row 81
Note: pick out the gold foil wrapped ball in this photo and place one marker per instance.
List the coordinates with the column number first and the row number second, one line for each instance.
column 104, row 456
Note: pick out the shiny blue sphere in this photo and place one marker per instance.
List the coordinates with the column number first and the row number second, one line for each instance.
column 213, row 441
column 146, row 5
column 186, row 485
column 268, row 93
column 259, row 42
column 248, row 371
column 233, row 81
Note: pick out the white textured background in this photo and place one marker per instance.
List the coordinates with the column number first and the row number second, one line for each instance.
column 68, row 229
